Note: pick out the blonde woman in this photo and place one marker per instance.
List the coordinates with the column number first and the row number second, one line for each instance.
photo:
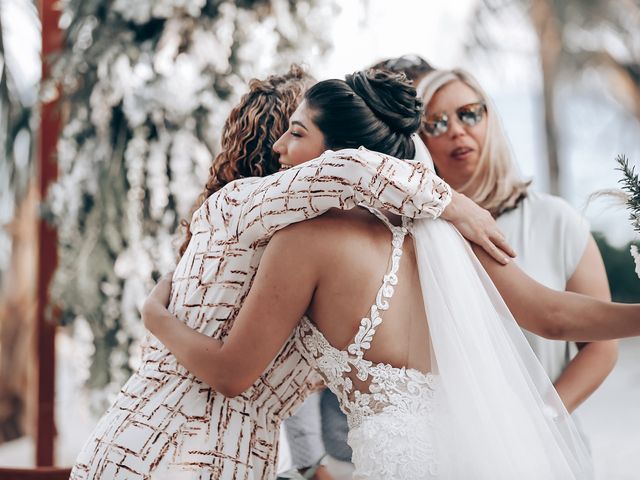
column 470, row 151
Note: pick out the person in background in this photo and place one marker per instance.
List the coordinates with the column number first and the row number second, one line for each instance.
column 413, row 66
column 471, row 152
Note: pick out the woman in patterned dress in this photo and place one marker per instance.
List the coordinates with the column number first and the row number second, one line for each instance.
column 328, row 268
column 139, row 445
column 165, row 423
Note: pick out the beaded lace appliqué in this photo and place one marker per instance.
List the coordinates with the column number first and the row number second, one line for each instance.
column 389, row 387
column 384, row 415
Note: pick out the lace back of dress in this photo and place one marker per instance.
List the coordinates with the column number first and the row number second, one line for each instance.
column 365, row 387
column 359, row 379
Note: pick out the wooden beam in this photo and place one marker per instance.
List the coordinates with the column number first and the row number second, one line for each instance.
column 45, row 473
column 47, row 247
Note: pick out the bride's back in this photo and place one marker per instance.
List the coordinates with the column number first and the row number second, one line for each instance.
column 361, row 354
column 356, row 249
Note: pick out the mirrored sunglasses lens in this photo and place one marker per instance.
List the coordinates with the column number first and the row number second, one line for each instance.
column 471, row 114
column 437, row 125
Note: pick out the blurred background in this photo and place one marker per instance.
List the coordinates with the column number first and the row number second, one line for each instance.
column 130, row 103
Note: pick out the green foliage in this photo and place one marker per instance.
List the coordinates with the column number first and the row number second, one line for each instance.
column 625, row 286
column 631, row 186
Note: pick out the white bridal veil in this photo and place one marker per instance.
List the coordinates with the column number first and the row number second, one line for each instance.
column 499, row 416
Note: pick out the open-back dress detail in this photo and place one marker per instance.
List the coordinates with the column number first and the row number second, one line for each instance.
column 383, row 403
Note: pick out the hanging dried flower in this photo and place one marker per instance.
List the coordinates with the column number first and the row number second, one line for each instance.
column 147, row 86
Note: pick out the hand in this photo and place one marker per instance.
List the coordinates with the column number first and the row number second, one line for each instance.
column 313, row 473
column 322, row 474
column 155, row 306
column 478, row 226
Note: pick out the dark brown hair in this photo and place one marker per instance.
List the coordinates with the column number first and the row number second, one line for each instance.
column 250, row 131
column 413, row 66
column 376, row 109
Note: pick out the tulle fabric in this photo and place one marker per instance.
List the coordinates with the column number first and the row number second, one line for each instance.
column 498, row 416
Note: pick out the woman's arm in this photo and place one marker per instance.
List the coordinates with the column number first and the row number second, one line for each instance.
column 282, row 290
column 342, row 179
column 559, row 315
column 595, row 360
column 478, row 226
column 345, row 178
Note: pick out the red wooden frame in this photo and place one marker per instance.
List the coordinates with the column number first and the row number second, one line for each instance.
column 44, row 473
column 47, row 247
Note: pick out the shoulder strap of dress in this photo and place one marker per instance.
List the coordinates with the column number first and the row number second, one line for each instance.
column 380, row 216
column 368, row 325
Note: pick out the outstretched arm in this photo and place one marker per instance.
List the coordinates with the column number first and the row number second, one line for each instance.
column 342, row 179
column 559, row 315
column 278, row 297
column 595, row 360
column 345, row 178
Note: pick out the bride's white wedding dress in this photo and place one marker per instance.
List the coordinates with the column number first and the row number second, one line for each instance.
column 383, row 404
column 486, row 410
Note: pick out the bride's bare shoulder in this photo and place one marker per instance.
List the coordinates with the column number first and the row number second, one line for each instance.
column 355, row 218
column 333, row 222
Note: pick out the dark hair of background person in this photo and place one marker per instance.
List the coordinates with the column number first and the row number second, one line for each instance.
column 250, row 131
column 376, row 109
column 413, row 66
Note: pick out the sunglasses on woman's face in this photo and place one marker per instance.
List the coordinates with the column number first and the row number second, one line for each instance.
column 471, row 114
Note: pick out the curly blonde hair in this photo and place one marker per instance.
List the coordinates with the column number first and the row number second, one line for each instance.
column 250, row 131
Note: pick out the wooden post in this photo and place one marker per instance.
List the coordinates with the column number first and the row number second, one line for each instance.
column 47, row 247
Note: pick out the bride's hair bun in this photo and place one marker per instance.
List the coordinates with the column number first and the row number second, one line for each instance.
column 377, row 110
column 391, row 98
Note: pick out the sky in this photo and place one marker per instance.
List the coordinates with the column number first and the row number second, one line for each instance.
column 375, row 29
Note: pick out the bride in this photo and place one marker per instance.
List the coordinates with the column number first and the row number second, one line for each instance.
column 437, row 380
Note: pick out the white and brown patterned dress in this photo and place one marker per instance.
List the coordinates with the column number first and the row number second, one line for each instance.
column 166, row 424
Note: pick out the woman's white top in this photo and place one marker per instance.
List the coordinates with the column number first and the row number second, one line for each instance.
column 549, row 237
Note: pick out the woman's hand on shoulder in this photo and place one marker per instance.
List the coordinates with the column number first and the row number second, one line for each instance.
column 478, row 226
column 154, row 309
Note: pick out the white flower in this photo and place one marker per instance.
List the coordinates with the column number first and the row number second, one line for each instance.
column 178, row 91
column 138, row 11
column 636, row 258
column 144, row 119
column 157, row 181
column 186, row 153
